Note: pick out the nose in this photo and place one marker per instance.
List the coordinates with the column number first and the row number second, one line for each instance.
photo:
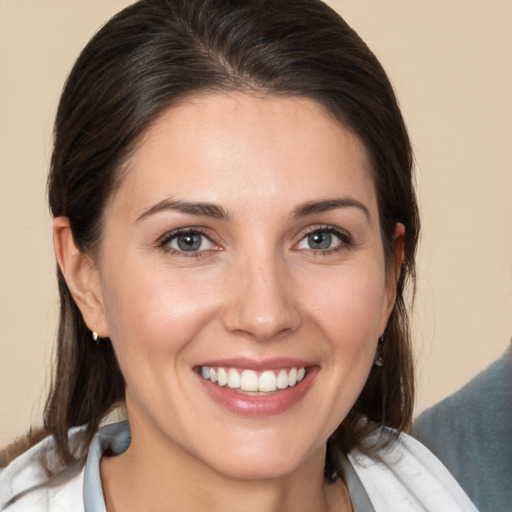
column 261, row 302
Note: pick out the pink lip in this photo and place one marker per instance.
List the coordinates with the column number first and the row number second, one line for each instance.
column 260, row 405
column 242, row 363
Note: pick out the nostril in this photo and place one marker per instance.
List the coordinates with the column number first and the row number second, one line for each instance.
column 262, row 305
column 261, row 328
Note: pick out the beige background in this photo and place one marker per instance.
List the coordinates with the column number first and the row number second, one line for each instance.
column 451, row 64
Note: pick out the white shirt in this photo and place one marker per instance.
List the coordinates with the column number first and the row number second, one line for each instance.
column 405, row 477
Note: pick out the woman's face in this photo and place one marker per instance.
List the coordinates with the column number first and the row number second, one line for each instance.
column 242, row 282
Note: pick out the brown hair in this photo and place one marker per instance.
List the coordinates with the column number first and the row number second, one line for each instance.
column 152, row 55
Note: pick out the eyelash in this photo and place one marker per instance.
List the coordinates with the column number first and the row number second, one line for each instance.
column 166, row 240
column 345, row 238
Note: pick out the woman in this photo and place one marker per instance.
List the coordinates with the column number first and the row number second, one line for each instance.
column 235, row 225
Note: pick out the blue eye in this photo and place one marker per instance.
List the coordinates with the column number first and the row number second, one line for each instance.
column 188, row 241
column 323, row 240
column 320, row 240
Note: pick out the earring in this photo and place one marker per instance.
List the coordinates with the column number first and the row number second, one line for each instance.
column 95, row 337
column 379, row 360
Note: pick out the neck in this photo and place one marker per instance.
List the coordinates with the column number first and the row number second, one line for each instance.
column 149, row 477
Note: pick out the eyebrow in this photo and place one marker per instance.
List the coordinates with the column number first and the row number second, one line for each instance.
column 313, row 207
column 216, row 211
column 192, row 208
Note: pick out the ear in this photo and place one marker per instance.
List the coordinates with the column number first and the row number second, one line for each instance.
column 393, row 272
column 81, row 275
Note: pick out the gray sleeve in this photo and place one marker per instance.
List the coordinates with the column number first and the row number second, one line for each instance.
column 471, row 433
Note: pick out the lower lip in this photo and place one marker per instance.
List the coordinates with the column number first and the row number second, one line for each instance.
column 259, row 405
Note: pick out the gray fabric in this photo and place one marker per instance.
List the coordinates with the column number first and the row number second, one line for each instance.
column 358, row 496
column 113, row 438
column 471, row 433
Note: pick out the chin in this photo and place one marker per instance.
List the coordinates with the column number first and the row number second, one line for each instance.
column 249, row 470
column 263, row 461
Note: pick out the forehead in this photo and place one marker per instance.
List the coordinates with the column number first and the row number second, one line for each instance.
column 260, row 147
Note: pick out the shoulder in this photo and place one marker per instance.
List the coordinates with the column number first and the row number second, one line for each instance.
column 487, row 395
column 25, row 485
column 482, row 409
column 455, row 430
column 404, row 476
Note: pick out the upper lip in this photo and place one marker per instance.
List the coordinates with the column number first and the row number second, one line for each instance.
column 257, row 365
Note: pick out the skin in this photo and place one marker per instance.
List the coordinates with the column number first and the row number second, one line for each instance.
column 255, row 289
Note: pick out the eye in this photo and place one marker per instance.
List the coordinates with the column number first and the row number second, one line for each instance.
column 189, row 241
column 324, row 239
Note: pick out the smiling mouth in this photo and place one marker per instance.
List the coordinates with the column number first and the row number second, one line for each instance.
column 251, row 382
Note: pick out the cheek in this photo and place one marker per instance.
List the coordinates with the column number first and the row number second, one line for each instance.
column 348, row 312
column 154, row 311
column 349, row 303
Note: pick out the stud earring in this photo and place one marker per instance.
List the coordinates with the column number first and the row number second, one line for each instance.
column 379, row 360
column 95, row 337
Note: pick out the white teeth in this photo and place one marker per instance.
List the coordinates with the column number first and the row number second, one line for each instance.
column 233, row 379
column 250, row 382
column 292, row 377
column 222, row 377
column 267, row 381
column 282, row 379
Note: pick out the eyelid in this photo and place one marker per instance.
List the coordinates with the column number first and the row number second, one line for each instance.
column 346, row 239
column 164, row 241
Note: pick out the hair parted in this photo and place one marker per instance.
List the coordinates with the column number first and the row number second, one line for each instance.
column 156, row 53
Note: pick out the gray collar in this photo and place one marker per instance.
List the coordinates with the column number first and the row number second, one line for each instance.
column 114, row 438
